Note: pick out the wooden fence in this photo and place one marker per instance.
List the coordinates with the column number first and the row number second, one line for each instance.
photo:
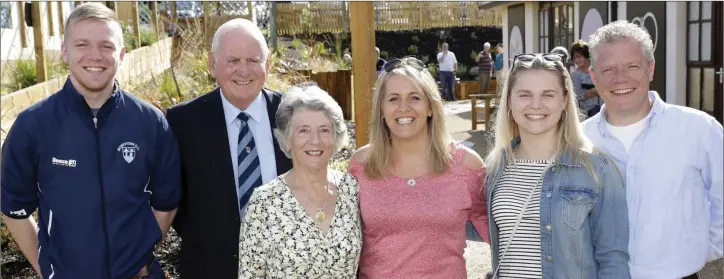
column 338, row 84
column 332, row 16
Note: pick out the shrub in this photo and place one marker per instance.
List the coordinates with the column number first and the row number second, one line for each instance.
column 412, row 49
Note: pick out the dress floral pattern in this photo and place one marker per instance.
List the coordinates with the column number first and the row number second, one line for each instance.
column 280, row 240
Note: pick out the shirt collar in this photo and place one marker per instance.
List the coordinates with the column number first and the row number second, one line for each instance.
column 231, row 112
column 658, row 108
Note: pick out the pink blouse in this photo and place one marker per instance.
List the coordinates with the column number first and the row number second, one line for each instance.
column 419, row 231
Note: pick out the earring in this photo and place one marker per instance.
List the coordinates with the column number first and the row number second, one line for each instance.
column 564, row 115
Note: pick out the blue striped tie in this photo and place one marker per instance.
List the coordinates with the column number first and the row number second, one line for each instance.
column 248, row 162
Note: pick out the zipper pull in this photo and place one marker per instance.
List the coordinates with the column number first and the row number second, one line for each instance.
column 95, row 122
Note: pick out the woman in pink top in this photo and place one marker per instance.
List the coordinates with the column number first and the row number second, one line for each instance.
column 418, row 188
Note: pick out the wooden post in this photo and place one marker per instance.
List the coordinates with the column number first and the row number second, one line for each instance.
column 250, row 10
column 154, row 18
column 51, row 26
column 61, row 19
column 39, row 41
column 362, row 26
column 207, row 25
column 136, row 24
column 23, row 28
column 273, row 27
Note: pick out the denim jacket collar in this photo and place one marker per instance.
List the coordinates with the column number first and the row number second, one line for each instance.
column 566, row 159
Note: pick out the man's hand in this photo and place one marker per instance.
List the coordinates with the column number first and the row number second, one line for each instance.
column 25, row 234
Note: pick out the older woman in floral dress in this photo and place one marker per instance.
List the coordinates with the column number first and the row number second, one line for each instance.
column 306, row 222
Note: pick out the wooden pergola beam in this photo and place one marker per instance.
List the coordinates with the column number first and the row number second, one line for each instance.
column 362, row 27
column 39, row 41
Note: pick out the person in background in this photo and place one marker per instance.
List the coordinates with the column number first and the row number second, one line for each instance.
column 448, row 68
column 101, row 166
column 311, row 213
column 556, row 205
column 418, row 187
column 671, row 157
column 228, row 149
column 380, row 62
column 563, row 52
column 485, row 67
column 499, row 73
column 588, row 99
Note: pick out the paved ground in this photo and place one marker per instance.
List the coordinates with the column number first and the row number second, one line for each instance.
column 477, row 254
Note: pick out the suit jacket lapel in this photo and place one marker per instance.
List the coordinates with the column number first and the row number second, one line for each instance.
column 272, row 104
column 218, row 146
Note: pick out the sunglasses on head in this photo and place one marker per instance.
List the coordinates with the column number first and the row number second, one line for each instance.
column 527, row 57
column 409, row 61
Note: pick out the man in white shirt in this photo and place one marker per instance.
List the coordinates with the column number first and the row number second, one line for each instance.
column 448, row 67
column 671, row 158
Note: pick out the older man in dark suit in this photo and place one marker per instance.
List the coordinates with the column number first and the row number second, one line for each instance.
column 227, row 149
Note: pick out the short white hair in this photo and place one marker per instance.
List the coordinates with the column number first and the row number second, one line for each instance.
column 486, row 45
column 309, row 96
column 619, row 31
column 243, row 24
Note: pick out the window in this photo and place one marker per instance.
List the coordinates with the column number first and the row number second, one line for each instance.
column 5, row 15
column 555, row 25
column 543, row 31
column 703, row 61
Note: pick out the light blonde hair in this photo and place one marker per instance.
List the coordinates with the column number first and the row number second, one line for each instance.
column 378, row 157
column 570, row 139
column 97, row 11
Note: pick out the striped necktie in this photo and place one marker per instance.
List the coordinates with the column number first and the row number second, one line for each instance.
column 248, row 162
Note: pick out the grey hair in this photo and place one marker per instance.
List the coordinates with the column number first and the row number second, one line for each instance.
column 486, row 45
column 311, row 98
column 563, row 52
column 243, row 24
column 97, row 11
column 618, row 31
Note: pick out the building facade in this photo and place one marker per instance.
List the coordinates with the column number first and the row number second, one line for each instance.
column 688, row 40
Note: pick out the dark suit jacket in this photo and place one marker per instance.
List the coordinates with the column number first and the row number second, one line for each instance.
column 208, row 217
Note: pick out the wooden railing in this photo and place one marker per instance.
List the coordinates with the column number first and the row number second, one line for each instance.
column 321, row 17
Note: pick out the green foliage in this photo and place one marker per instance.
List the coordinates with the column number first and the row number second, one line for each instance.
column 148, row 37
column 434, row 69
column 473, row 55
column 415, row 39
column 384, row 54
column 22, row 73
column 341, row 166
column 412, row 50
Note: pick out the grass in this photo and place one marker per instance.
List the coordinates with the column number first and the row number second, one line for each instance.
column 22, row 73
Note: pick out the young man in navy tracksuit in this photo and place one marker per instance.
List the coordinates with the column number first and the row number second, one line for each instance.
column 101, row 166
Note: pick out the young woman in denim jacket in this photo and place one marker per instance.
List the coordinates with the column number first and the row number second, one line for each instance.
column 556, row 207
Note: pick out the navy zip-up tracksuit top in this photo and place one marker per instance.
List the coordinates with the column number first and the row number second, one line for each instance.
column 94, row 179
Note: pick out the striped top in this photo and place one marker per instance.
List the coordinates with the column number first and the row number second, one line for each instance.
column 523, row 257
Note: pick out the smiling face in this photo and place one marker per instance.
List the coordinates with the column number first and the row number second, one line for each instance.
column 93, row 55
column 239, row 67
column 310, row 139
column 622, row 76
column 537, row 101
column 405, row 109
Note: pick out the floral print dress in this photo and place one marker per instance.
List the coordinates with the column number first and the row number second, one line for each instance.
column 280, row 240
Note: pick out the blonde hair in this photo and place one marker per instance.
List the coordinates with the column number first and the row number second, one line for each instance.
column 570, row 139
column 378, row 157
column 95, row 11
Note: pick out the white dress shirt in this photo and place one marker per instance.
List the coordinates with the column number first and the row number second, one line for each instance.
column 448, row 63
column 260, row 129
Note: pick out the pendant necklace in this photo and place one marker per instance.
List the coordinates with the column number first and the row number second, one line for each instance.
column 412, row 182
column 320, row 216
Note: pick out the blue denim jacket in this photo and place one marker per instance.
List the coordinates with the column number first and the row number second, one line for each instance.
column 583, row 227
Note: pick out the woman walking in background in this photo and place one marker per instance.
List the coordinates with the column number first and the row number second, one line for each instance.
column 588, row 99
column 418, row 188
